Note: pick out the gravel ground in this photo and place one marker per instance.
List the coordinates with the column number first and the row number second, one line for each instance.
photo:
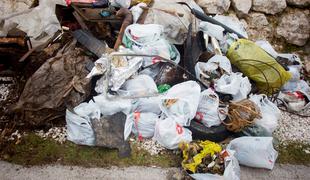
column 148, row 145
column 293, row 128
column 59, row 134
column 5, row 88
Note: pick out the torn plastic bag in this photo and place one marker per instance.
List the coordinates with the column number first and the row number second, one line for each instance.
column 141, row 85
column 40, row 23
column 79, row 128
column 169, row 133
column 208, row 112
column 290, row 60
column 300, row 85
column 232, row 23
column 109, row 133
column 120, row 74
column 232, row 170
column 147, row 39
column 213, row 69
column 112, row 105
column 181, row 102
column 150, row 104
column 141, row 124
column 100, row 67
column 236, row 85
column 259, row 66
column 254, row 151
column 101, row 85
column 269, row 113
column 175, row 28
column 295, row 101
column 212, row 30
column 59, row 83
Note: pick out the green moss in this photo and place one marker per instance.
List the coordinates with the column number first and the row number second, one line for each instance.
column 34, row 150
column 292, row 48
column 294, row 153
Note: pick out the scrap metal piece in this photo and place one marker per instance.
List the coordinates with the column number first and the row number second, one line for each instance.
column 109, row 132
column 80, row 20
column 90, row 42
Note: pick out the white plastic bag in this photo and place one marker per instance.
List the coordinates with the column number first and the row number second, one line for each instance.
column 79, row 129
column 143, row 34
column 137, row 11
column 208, row 109
column 141, row 85
column 181, row 102
column 150, row 104
column 232, row 170
column 212, row 65
column 147, row 39
column 269, row 111
column 254, row 151
column 141, row 124
column 236, row 85
column 120, row 3
column 169, row 133
column 111, row 106
column 40, row 23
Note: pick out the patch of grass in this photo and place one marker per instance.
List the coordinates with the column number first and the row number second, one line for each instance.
column 294, row 153
column 34, row 150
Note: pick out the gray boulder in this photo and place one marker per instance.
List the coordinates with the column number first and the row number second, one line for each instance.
column 295, row 27
column 258, row 27
column 298, row 3
column 214, row 6
column 269, row 6
column 241, row 7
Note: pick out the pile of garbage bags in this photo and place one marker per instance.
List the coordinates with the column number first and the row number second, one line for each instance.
column 236, row 88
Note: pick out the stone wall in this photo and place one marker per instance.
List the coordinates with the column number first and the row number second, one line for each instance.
column 284, row 23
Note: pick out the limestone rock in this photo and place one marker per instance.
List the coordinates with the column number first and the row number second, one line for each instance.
column 258, row 27
column 298, row 3
column 295, row 27
column 269, row 6
column 258, row 20
column 9, row 6
column 214, row 6
column 242, row 7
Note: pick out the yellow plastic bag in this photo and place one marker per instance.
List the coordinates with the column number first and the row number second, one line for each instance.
column 259, row 66
column 208, row 148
